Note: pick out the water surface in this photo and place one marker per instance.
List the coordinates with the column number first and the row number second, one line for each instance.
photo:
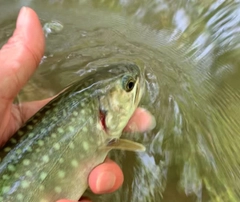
column 188, row 51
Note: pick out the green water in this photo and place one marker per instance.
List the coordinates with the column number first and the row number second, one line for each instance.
column 189, row 53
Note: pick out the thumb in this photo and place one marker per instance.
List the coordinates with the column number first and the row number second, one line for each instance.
column 19, row 58
column 21, row 55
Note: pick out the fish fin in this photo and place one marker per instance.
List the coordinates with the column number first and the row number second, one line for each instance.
column 124, row 144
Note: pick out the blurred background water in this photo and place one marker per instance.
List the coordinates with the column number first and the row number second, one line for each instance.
column 188, row 51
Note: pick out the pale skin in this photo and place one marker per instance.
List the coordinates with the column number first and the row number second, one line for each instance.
column 19, row 58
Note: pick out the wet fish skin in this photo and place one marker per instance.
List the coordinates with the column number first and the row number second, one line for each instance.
column 51, row 156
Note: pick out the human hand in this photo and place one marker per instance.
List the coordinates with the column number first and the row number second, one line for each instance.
column 19, row 58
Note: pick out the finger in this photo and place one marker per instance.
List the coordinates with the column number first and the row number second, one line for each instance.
column 105, row 178
column 21, row 55
column 83, row 199
column 18, row 58
column 141, row 121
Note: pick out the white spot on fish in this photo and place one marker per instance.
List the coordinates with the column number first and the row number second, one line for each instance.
column 60, row 130
column 31, row 135
column 11, row 167
column 71, row 129
column 53, row 135
column 29, row 149
column 18, row 151
column 40, row 143
column 43, row 175
column 29, row 173
column 75, row 113
column 34, row 120
column 58, row 189
column 45, row 159
column 54, row 103
column 47, row 112
column 5, row 177
column 71, row 145
column 74, row 163
column 7, row 149
column 56, row 146
column 44, row 200
column 85, row 145
column 90, row 121
column 30, row 127
column 5, row 189
column 83, row 112
column 61, row 174
column 43, row 130
column 61, row 160
column 38, row 114
column 41, row 187
column 54, row 118
column 85, row 129
column 16, row 175
column 25, row 184
column 13, row 140
column 19, row 197
column 82, row 104
column 20, row 133
column 26, row 162
column 73, row 119
column 44, row 120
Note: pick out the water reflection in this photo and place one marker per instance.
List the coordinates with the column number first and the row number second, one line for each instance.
column 189, row 52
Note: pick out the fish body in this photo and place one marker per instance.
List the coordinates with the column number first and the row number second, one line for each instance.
column 51, row 156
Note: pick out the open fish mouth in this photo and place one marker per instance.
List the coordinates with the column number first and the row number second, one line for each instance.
column 102, row 117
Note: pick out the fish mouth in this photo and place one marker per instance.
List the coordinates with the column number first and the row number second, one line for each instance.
column 102, row 117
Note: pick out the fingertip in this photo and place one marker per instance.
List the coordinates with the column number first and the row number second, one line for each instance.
column 84, row 199
column 141, row 121
column 65, row 200
column 28, row 20
column 105, row 178
column 21, row 55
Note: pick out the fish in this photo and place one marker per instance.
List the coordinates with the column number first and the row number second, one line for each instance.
column 51, row 156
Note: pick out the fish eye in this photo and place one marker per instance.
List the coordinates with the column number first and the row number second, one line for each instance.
column 128, row 83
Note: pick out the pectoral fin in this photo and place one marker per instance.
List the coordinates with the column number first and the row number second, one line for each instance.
column 124, row 144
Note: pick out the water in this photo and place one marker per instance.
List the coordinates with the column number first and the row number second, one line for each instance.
column 188, row 51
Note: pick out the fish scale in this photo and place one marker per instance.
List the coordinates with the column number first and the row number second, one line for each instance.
column 51, row 156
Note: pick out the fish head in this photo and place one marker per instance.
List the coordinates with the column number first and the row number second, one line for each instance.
column 119, row 103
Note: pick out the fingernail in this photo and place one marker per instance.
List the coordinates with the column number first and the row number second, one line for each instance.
column 22, row 16
column 105, row 182
column 149, row 123
column 153, row 122
column 133, row 127
column 65, row 200
column 84, row 199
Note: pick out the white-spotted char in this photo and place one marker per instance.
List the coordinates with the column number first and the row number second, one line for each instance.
column 51, row 156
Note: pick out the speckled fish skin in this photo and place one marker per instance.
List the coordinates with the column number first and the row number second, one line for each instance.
column 51, row 156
